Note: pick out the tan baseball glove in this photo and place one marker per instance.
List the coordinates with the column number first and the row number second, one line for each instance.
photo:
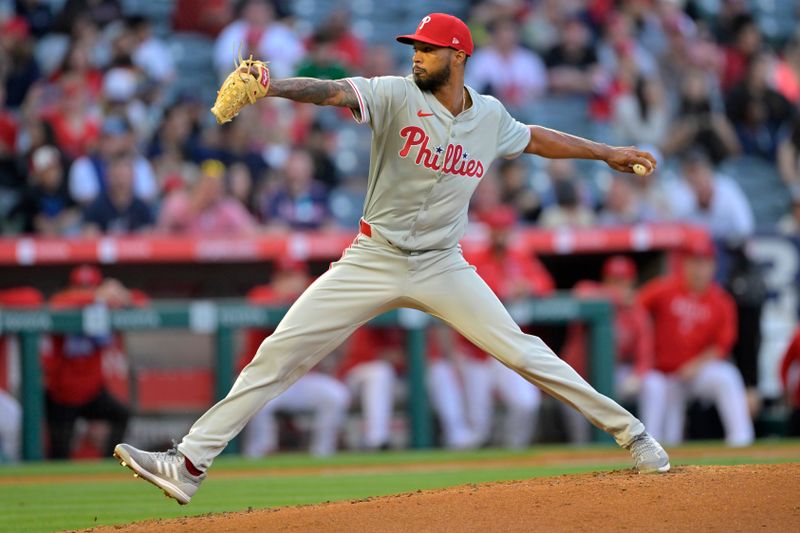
column 246, row 84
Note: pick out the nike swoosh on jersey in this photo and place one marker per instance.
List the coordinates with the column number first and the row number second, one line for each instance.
column 421, row 114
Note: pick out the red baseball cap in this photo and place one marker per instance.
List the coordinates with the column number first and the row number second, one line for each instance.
column 86, row 276
column 441, row 29
column 619, row 267
column 700, row 248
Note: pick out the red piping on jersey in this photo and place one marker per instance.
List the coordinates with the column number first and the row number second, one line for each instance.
column 360, row 101
column 365, row 228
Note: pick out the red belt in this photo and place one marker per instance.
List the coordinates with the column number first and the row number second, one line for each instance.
column 365, row 228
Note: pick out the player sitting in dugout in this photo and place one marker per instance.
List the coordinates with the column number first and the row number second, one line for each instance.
column 694, row 323
column 73, row 364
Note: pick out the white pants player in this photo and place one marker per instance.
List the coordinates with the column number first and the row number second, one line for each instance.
column 482, row 378
column 323, row 395
column 448, row 402
column 10, row 426
column 374, row 383
column 628, row 388
column 373, row 277
column 663, row 404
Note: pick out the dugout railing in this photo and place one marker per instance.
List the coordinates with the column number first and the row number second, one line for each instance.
column 221, row 318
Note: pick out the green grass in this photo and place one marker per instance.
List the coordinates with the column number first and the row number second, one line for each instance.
column 81, row 495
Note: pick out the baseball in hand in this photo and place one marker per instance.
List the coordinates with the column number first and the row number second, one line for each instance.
column 640, row 169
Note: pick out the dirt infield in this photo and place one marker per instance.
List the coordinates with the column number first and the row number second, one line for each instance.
column 701, row 498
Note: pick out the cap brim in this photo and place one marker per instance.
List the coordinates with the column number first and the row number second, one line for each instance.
column 411, row 39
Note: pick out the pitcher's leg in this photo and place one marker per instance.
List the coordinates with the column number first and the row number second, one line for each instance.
column 342, row 299
column 460, row 297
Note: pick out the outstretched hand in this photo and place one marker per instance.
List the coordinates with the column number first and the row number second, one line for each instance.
column 622, row 159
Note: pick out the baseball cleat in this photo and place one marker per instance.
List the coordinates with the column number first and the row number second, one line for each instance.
column 166, row 470
column 648, row 455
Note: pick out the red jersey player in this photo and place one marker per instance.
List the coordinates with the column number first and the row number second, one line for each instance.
column 694, row 321
column 790, row 376
column 73, row 364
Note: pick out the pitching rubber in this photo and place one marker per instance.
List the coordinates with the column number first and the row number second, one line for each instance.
column 170, row 490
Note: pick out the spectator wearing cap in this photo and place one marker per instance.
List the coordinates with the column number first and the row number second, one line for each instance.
column 262, row 36
column 514, row 277
column 712, row 200
column 73, row 364
column 88, row 175
column 10, row 409
column 122, row 96
column 507, row 70
column 117, row 210
column 46, row 207
column 317, row 392
column 695, row 323
column 633, row 336
column 207, row 209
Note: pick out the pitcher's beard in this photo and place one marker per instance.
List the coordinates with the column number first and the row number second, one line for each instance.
column 433, row 81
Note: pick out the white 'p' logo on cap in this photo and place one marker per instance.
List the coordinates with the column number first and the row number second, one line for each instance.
column 426, row 19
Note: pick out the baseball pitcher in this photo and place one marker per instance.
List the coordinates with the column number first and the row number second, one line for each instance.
column 433, row 140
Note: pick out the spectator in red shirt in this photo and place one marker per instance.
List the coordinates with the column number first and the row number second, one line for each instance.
column 694, row 321
column 514, row 277
column 316, row 392
column 790, row 376
column 10, row 410
column 73, row 367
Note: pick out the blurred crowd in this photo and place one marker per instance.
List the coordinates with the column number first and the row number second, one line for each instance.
column 105, row 126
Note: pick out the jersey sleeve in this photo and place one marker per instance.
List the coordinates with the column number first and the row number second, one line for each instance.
column 512, row 136
column 377, row 98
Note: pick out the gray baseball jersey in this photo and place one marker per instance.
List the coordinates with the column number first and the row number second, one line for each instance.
column 425, row 163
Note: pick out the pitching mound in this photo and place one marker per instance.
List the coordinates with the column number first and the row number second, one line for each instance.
column 690, row 498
